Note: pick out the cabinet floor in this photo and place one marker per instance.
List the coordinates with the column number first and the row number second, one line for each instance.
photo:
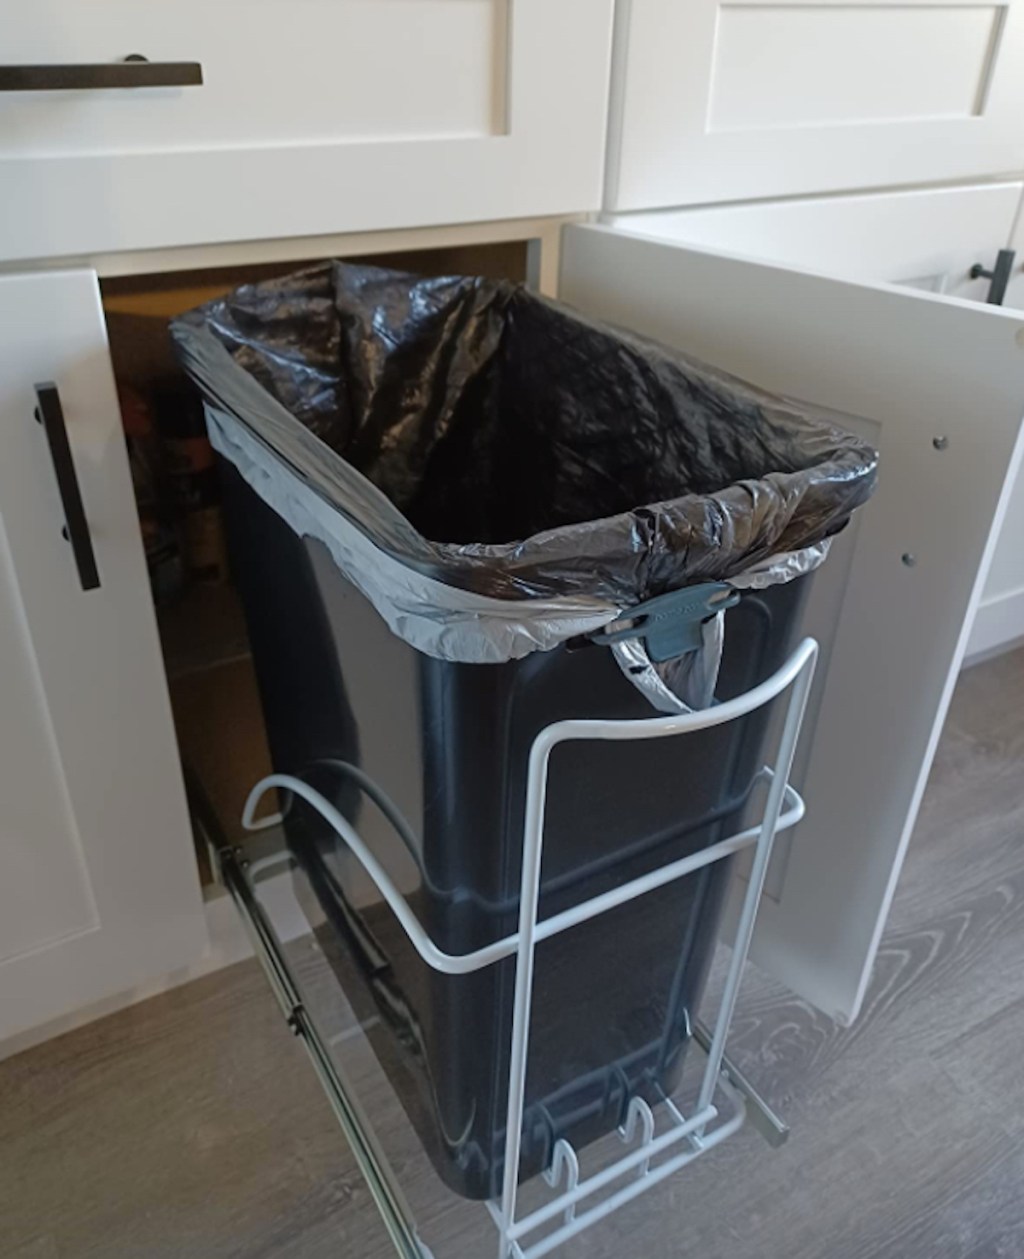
column 192, row 1125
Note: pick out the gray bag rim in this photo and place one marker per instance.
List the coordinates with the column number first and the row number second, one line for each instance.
column 458, row 625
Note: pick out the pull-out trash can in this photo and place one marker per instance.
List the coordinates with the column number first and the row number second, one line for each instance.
column 458, row 512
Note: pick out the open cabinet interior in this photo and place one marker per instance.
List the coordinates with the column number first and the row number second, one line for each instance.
column 210, row 675
column 773, row 325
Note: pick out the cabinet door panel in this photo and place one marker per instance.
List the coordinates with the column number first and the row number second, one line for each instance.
column 98, row 884
column 720, row 101
column 50, row 894
column 927, row 238
column 894, row 612
column 314, row 117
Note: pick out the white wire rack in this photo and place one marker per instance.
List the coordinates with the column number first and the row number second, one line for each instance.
column 652, row 1155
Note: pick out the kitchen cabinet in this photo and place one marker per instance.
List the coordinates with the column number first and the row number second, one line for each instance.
column 100, row 894
column 927, row 238
column 98, row 884
column 861, row 305
column 924, row 238
column 715, row 101
column 938, row 385
column 316, row 116
column 891, row 609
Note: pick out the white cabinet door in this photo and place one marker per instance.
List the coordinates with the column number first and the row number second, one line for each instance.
column 718, row 101
column 927, row 238
column 98, row 883
column 313, row 117
column 938, row 384
column 999, row 621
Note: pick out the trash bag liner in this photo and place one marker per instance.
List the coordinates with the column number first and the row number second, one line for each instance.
column 496, row 472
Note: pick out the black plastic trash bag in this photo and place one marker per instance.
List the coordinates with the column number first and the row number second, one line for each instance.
column 496, row 472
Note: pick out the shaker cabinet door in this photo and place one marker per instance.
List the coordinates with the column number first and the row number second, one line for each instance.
column 98, row 883
column 722, row 101
column 937, row 384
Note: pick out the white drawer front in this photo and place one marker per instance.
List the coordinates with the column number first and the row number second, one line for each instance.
column 717, row 101
column 315, row 71
column 925, row 238
column 313, row 117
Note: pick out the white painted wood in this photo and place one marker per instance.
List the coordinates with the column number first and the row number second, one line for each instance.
column 926, row 238
column 313, row 72
column 905, row 367
column 251, row 253
column 320, row 117
column 98, row 884
column 718, row 101
column 790, row 65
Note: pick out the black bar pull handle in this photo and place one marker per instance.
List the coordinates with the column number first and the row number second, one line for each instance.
column 134, row 71
column 999, row 275
column 50, row 414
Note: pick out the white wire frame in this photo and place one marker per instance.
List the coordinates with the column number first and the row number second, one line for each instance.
column 783, row 808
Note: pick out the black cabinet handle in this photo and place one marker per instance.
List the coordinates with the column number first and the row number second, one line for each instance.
column 50, row 414
column 134, row 71
column 999, row 275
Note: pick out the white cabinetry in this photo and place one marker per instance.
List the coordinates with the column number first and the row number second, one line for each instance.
column 927, row 238
column 316, row 117
column 343, row 116
column 98, row 884
column 1000, row 618
column 720, row 101
column 938, row 385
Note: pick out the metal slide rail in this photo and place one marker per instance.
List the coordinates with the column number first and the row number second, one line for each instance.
column 651, row 1157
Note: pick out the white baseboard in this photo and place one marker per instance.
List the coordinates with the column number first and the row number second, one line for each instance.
column 228, row 943
column 998, row 626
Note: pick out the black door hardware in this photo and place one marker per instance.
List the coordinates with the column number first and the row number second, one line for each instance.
column 50, row 414
column 999, row 275
column 133, row 71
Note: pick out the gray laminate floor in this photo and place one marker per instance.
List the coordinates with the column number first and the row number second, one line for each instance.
column 191, row 1125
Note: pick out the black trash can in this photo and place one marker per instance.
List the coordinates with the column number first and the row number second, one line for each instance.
column 388, row 441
